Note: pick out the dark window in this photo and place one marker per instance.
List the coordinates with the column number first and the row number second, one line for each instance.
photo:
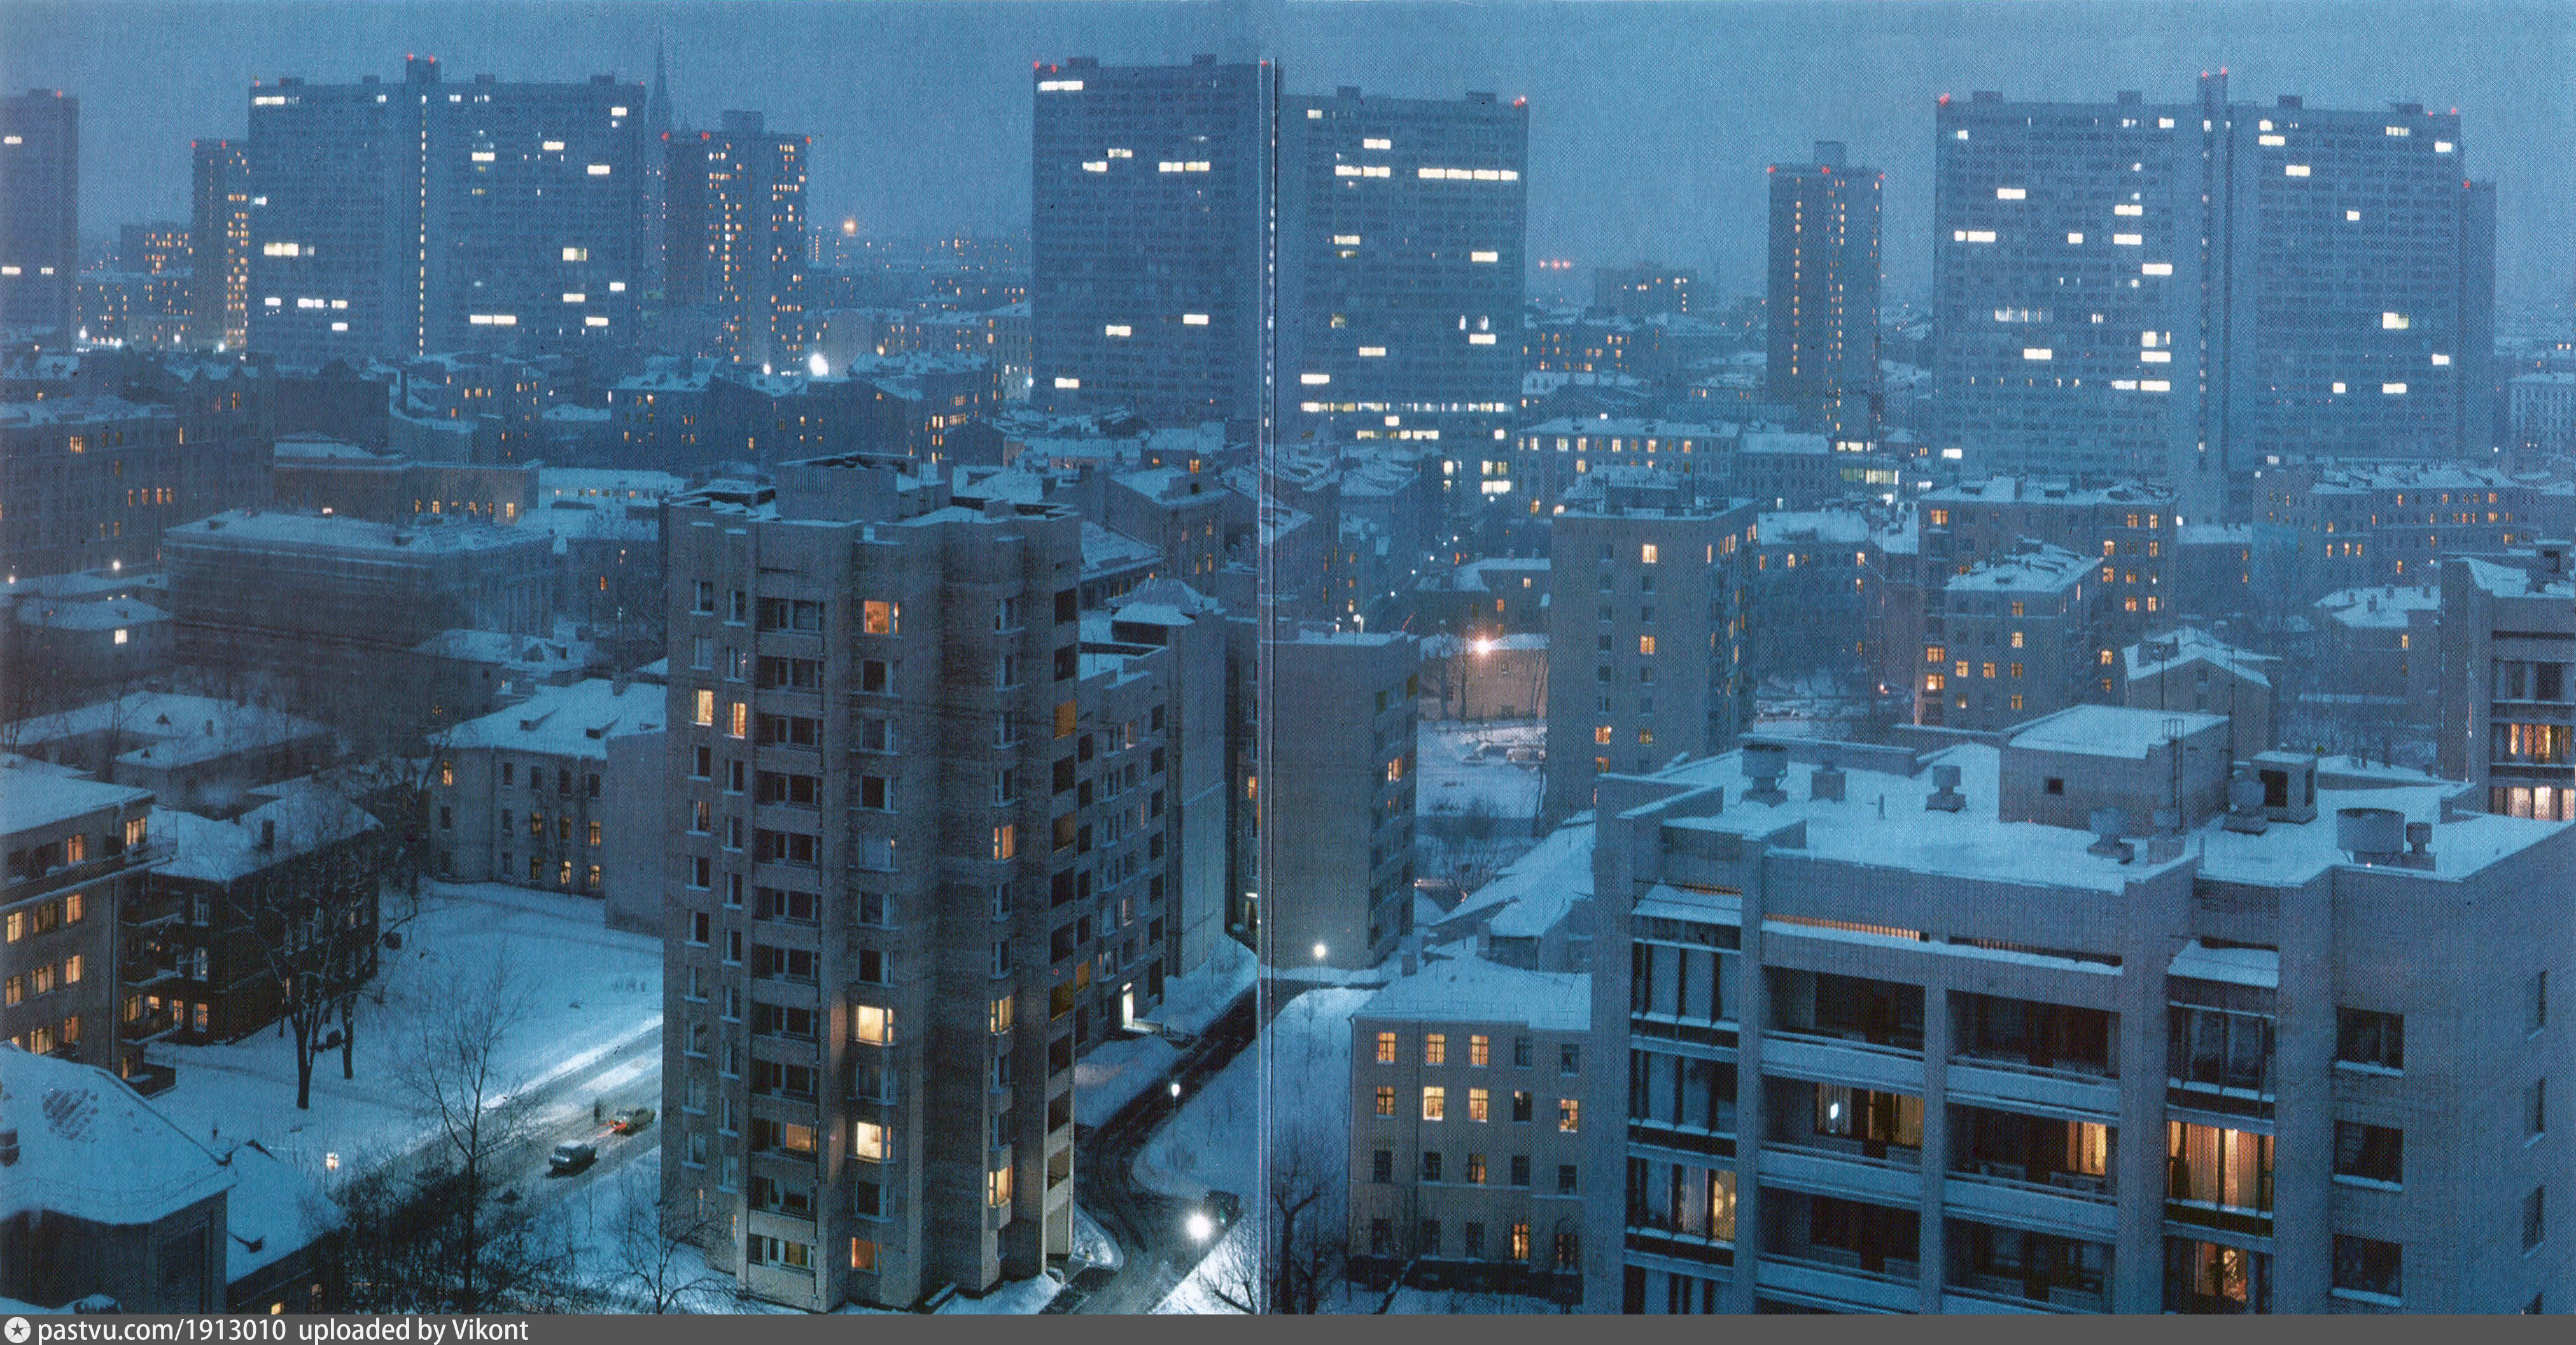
column 2368, row 1266
column 1383, row 1168
column 2375, row 1153
column 1520, row 1169
column 2367, row 1037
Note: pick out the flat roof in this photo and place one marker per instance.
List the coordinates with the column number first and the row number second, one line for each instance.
column 2111, row 730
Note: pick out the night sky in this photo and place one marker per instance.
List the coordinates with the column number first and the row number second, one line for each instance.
column 1650, row 123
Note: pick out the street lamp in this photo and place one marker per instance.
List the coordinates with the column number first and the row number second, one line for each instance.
column 1176, row 1088
column 1320, row 950
column 1201, row 1227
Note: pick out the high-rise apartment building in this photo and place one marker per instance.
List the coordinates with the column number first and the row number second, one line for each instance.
column 734, row 237
column 2188, row 290
column 1646, row 633
column 1965, row 1031
column 1401, row 270
column 1823, row 296
column 39, row 211
column 400, row 219
column 911, row 839
column 1645, row 289
column 219, row 233
column 1337, row 796
column 1150, row 236
column 2508, row 679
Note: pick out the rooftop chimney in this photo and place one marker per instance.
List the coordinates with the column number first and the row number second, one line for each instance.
column 1827, row 782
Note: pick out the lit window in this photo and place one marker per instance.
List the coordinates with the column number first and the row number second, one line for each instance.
column 1435, row 1103
column 1314, row 380
column 2037, row 353
column 1484, row 256
column 2392, row 389
column 705, row 709
column 551, row 146
column 1372, row 352
column 2128, row 208
column 2441, row 147
column 2128, row 240
column 2271, row 141
column 2075, row 238
column 2394, row 322
column 2010, row 194
column 872, row 1024
column 2294, row 170
column 1647, row 553
column 2156, row 269
column 120, row 635
column 868, row 1141
column 1118, row 329
column 1194, row 319
column 1063, row 382
column 1386, row 1048
column 1376, row 142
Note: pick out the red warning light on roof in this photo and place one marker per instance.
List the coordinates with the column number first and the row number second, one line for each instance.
column 1524, row 102
column 1945, row 100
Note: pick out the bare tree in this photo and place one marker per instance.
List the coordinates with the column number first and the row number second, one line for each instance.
column 311, row 923
column 659, row 1264
column 458, row 1072
column 1305, row 1237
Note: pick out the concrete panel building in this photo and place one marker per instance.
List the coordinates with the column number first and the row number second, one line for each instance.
column 2290, row 1052
column 39, row 213
column 2508, row 680
column 1646, row 633
column 1822, row 356
column 1336, row 792
column 528, row 796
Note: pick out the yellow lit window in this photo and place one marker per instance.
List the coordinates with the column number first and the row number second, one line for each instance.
column 1601, row 734
column 872, row 1024
column 880, row 618
column 704, row 715
column 1435, row 1048
column 1480, row 1050
column 1646, row 554
column 1479, row 1105
column 1005, row 841
column 1435, row 1103
column 998, row 1015
column 997, row 1187
column 1386, row 1048
column 739, row 723
column 1386, row 1100
column 1645, row 644
column 1569, row 1115
column 868, row 1141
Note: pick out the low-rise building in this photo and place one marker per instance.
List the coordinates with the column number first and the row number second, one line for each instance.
column 2187, row 668
column 197, row 753
column 104, row 1197
column 1468, row 1129
column 77, row 850
column 2018, row 635
column 527, row 796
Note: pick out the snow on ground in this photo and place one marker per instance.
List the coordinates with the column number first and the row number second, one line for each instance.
column 1092, row 1245
column 596, row 990
column 1192, row 1002
column 1015, row 1296
column 1215, row 1142
column 1437, row 1302
column 1463, row 765
column 1114, row 1072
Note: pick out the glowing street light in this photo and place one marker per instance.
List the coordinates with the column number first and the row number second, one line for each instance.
column 1320, row 950
column 1201, row 1228
column 1176, row 1088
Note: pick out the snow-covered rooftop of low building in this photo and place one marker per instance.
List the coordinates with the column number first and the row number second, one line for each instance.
column 2112, row 731
column 91, row 1148
column 1815, row 525
column 307, row 818
column 1781, row 441
column 2384, row 606
column 91, row 615
column 32, row 800
column 568, row 721
column 2187, row 644
column 2037, row 569
column 2045, row 490
column 274, row 1210
column 175, row 727
column 2513, row 581
column 1104, row 549
column 1475, row 990
column 272, row 527
column 1535, row 892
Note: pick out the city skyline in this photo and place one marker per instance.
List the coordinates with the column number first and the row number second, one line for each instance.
column 1653, row 148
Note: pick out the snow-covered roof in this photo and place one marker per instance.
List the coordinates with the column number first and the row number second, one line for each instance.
column 274, row 1211
column 2044, row 490
column 91, row 1148
column 2383, row 607
column 342, row 532
column 2512, row 581
column 2188, row 644
column 41, row 800
column 2037, row 569
column 2112, row 730
column 174, row 727
column 92, row 615
column 1631, row 426
column 1104, row 549
column 2238, row 966
column 1475, row 990
column 568, row 721
column 1775, row 441
column 1817, row 525
column 206, row 850
column 2214, row 534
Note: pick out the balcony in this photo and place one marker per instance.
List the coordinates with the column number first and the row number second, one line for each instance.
column 1847, row 1169
column 63, row 877
column 1893, row 1287
column 1990, row 1293
column 2009, row 1083
column 1886, row 1066
column 2004, row 1192
column 1715, row 1253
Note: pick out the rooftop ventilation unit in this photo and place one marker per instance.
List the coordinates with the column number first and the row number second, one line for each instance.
column 1827, row 782
column 2370, row 835
column 2289, row 786
column 1764, row 765
column 2245, row 804
column 2108, row 823
column 1945, row 796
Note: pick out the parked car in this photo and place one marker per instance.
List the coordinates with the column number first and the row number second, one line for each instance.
column 572, row 1156
column 631, row 1121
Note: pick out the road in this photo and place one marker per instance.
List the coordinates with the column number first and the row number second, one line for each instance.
column 1148, row 1224
column 629, row 1076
